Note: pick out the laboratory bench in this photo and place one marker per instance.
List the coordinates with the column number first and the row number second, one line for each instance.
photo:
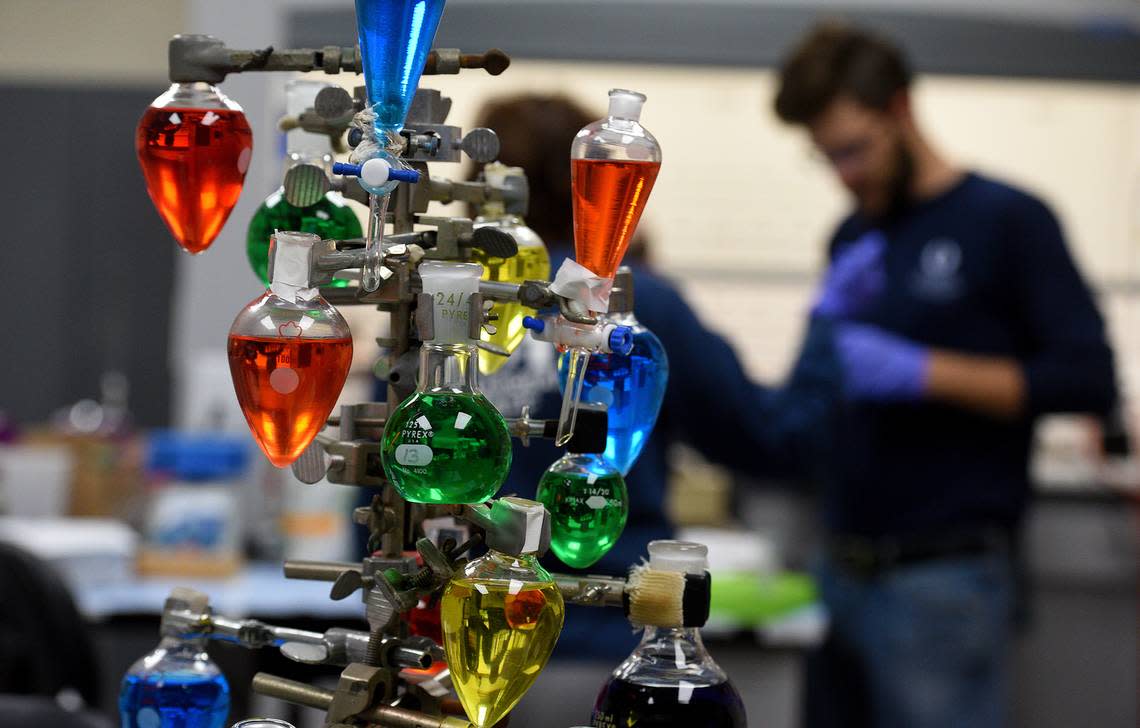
column 1075, row 663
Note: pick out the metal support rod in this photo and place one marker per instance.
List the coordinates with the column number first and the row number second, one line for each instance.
column 593, row 591
column 317, row 570
column 313, row 697
column 253, row 633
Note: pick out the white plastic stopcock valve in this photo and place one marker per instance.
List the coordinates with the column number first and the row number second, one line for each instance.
column 377, row 175
column 599, row 338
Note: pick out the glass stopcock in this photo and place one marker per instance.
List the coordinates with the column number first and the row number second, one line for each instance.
column 194, row 146
column 447, row 443
column 614, row 163
column 631, row 386
column 289, row 353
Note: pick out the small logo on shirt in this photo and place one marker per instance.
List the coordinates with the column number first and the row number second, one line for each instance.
column 938, row 276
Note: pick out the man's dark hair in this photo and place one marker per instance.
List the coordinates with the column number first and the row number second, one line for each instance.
column 835, row 60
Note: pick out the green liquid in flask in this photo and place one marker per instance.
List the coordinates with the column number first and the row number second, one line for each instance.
column 588, row 505
column 446, row 447
column 331, row 218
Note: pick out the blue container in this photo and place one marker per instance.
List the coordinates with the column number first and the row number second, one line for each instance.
column 175, row 686
column 395, row 39
column 631, row 387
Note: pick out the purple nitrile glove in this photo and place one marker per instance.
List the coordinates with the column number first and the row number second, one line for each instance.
column 879, row 366
column 854, row 279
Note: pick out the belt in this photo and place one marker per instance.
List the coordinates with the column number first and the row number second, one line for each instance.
column 869, row 557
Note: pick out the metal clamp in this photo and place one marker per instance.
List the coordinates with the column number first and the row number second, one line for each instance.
column 207, row 59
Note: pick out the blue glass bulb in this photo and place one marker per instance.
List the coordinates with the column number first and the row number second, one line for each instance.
column 395, row 38
column 175, row 686
column 631, row 387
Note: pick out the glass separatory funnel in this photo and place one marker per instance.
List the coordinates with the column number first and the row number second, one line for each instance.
column 631, row 386
column 176, row 684
column 614, row 163
column 670, row 679
column 447, row 443
column 588, row 505
column 331, row 217
column 501, row 617
column 532, row 262
column 395, row 39
column 194, row 146
column 289, row 353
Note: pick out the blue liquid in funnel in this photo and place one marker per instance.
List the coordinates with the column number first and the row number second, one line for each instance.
column 395, row 39
column 632, row 388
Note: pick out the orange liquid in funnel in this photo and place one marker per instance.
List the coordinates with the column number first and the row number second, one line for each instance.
column 609, row 197
column 287, row 388
column 194, row 162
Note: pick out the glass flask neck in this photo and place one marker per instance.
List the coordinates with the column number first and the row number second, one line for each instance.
column 195, row 95
column 184, row 646
column 497, row 211
column 657, row 635
column 523, row 561
column 450, row 367
column 669, row 655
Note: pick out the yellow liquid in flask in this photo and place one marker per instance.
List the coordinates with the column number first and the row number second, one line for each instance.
column 498, row 636
column 531, row 263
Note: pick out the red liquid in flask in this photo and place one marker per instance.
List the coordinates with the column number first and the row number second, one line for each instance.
column 287, row 388
column 194, row 162
column 609, row 197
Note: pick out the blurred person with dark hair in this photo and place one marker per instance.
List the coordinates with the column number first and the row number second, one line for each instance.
column 982, row 324
column 707, row 383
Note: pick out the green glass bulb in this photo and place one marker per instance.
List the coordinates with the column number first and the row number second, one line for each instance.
column 446, row 447
column 588, row 505
column 331, row 218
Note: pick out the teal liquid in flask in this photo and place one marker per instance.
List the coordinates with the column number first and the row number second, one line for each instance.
column 632, row 387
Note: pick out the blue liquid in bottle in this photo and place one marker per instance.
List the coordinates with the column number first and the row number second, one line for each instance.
column 175, row 686
column 631, row 387
column 395, row 38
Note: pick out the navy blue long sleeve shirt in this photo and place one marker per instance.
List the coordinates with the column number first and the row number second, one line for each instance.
column 981, row 269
